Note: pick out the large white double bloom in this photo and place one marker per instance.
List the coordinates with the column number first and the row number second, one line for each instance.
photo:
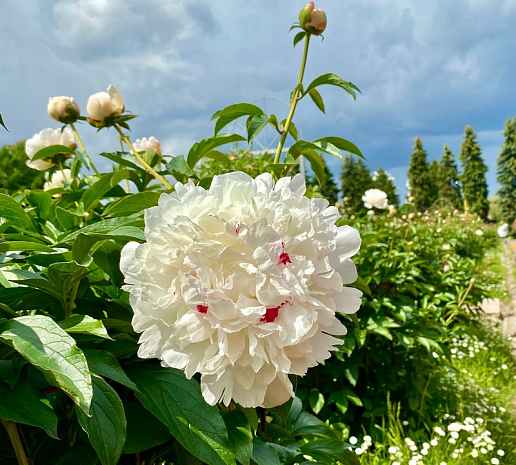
column 240, row 283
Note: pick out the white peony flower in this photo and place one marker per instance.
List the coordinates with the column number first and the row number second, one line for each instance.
column 46, row 138
column 141, row 145
column 58, row 179
column 241, row 283
column 104, row 105
column 63, row 109
column 374, row 198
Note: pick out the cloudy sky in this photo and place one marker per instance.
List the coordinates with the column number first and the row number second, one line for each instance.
column 425, row 68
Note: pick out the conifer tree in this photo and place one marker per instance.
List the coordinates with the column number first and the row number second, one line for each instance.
column 355, row 180
column 418, row 177
column 506, row 173
column 448, row 186
column 383, row 181
column 433, row 190
column 473, row 178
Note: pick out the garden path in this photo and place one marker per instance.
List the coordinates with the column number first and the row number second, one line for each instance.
column 506, row 311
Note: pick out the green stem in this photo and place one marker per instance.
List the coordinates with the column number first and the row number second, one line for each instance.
column 14, row 436
column 293, row 105
column 148, row 168
column 73, row 295
column 81, row 145
column 127, row 187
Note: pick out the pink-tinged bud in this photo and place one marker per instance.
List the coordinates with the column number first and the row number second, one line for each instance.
column 63, row 109
column 312, row 20
column 141, row 145
column 103, row 107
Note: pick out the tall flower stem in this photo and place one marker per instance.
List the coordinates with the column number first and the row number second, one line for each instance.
column 14, row 437
column 81, row 145
column 295, row 99
column 149, row 168
column 127, row 186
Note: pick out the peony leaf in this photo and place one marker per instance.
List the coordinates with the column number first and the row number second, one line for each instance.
column 104, row 363
column 233, row 112
column 104, row 227
column 2, row 123
column 200, row 149
column 240, row 435
column 317, row 99
column 327, row 450
column 178, row 403
column 46, row 346
column 255, row 123
column 12, row 211
column 132, row 204
column 334, row 80
column 144, row 430
column 105, row 425
column 24, row 246
column 26, row 404
column 50, row 151
column 84, row 324
column 264, row 453
column 299, row 37
column 341, row 144
column 316, row 400
column 93, row 195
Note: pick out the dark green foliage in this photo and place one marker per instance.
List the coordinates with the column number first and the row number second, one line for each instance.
column 433, row 168
column 241, row 160
column 14, row 173
column 383, row 181
column 328, row 189
column 419, row 179
column 355, row 179
column 506, row 174
column 448, row 179
column 473, row 178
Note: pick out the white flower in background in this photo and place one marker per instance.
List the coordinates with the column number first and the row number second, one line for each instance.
column 446, row 246
column 104, row 105
column 241, row 283
column 141, row 145
column 63, row 109
column 61, row 178
column 479, row 232
column 46, row 138
column 352, row 440
column 374, row 198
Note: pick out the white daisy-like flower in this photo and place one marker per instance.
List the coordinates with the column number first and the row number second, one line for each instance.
column 375, row 198
column 241, row 283
column 44, row 139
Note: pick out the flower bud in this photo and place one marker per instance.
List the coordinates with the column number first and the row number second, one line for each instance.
column 312, row 20
column 103, row 107
column 141, row 145
column 63, row 109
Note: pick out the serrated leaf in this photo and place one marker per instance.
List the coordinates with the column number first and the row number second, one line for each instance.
column 12, row 211
column 84, row 324
column 200, row 149
column 334, row 80
column 106, row 424
column 45, row 345
column 233, row 112
column 50, row 151
column 317, row 99
column 26, row 404
column 104, row 363
column 178, row 403
column 92, row 196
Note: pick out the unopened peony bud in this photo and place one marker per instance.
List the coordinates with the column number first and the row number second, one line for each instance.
column 141, row 145
column 63, row 109
column 105, row 106
column 312, row 20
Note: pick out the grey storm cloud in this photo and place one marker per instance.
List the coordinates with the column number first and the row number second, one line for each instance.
column 425, row 69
